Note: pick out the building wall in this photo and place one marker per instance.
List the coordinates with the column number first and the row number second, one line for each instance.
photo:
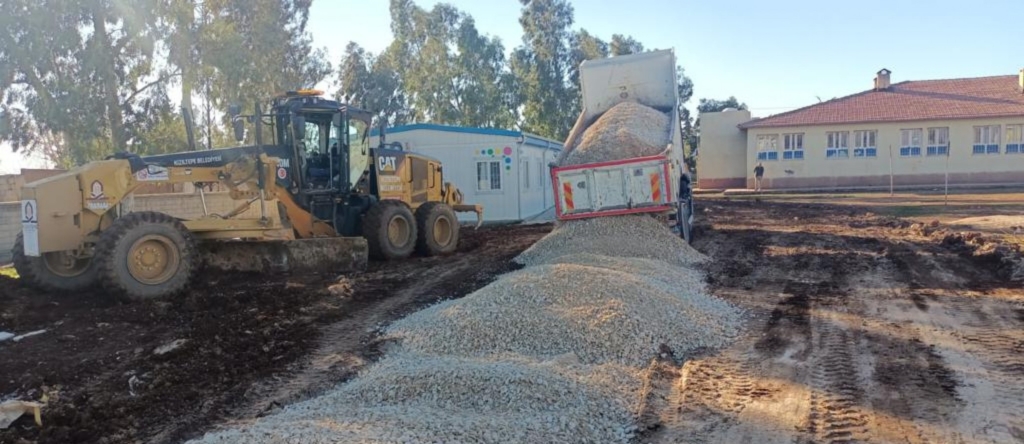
column 185, row 206
column 10, row 187
column 721, row 162
column 521, row 194
column 815, row 170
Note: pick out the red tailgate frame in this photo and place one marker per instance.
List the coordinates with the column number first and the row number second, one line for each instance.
column 555, row 185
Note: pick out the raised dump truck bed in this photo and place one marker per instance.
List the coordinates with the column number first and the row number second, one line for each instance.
column 648, row 184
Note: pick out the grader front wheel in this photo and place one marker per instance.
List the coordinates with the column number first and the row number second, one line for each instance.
column 438, row 229
column 146, row 255
column 390, row 230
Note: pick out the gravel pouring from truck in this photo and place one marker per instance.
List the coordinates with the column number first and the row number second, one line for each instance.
column 630, row 122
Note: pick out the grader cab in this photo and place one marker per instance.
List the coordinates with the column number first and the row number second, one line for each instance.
column 317, row 198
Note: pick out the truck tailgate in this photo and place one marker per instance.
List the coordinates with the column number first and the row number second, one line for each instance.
column 638, row 185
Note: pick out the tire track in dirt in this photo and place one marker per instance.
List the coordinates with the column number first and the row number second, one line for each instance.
column 1001, row 351
column 837, row 415
column 984, row 398
column 817, row 294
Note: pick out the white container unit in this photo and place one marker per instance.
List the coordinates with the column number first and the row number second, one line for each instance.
column 505, row 171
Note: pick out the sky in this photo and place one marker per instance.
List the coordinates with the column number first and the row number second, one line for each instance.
column 772, row 55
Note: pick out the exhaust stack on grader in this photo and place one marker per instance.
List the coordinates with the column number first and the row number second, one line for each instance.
column 326, row 201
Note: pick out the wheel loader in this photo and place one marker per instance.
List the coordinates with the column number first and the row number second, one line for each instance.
column 317, row 198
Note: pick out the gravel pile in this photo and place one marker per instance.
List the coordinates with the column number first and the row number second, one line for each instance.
column 411, row 398
column 622, row 236
column 602, row 315
column 626, row 130
column 549, row 353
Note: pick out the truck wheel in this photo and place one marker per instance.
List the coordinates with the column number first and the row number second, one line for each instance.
column 438, row 228
column 683, row 218
column 56, row 271
column 146, row 255
column 390, row 230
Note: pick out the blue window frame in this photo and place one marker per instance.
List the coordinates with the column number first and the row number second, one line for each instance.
column 837, row 145
column 864, row 143
column 938, row 150
column 910, row 151
column 1015, row 139
column 793, row 146
column 987, row 139
column 768, row 147
column 910, row 142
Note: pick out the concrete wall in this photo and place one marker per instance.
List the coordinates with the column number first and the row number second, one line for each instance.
column 818, row 171
column 459, row 152
column 721, row 161
column 10, row 184
column 185, row 206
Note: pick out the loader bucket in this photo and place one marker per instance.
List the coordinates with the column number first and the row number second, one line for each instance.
column 328, row 255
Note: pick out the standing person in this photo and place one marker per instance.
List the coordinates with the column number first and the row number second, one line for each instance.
column 758, row 175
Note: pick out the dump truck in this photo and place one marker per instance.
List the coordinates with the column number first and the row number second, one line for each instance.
column 317, row 197
column 659, row 184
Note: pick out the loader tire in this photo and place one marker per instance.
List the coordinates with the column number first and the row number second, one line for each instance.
column 390, row 230
column 146, row 255
column 438, row 229
column 52, row 271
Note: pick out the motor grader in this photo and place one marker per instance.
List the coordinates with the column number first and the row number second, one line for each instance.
column 317, row 198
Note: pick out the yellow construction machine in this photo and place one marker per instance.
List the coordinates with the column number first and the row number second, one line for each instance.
column 317, row 198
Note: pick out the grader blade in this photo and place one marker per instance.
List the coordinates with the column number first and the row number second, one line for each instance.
column 332, row 255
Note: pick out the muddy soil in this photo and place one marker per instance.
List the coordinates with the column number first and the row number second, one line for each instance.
column 235, row 347
column 860, row 329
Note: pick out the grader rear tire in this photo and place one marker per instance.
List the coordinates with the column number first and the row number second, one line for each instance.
column 438, row 228
column 390, row 230
column 146, row 255
column 56, row 271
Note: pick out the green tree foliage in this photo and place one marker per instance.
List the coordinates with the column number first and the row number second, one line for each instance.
column 80, row 80
column 373, row 83
column 624, row 45
column 541, row 66
column 442, row 68
column 714, row 106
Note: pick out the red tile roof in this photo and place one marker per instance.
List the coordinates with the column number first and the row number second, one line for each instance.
column 998, row 96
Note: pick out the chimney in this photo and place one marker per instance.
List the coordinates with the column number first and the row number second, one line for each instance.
column 882, row 80
column 1020, row 80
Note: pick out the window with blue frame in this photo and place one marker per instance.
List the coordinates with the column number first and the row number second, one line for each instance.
column 768, row 147
column 938, row 141
column 793, row 146
column 1014, row 139
column 986, row 139
column 838, row 145
column 864, row 143
column 910, row 142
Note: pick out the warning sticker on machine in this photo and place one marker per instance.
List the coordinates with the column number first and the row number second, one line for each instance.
column 30, row 227
column 152, row 173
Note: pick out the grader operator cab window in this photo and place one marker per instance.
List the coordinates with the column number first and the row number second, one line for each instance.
column 315, row 152
column 359, row 149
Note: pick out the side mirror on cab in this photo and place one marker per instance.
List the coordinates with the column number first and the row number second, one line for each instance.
column 236, row 122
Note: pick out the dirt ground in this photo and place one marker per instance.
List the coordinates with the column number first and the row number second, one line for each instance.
column 239, row 346
column 862, row 328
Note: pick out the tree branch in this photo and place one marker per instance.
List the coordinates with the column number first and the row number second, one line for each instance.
column 159, row 80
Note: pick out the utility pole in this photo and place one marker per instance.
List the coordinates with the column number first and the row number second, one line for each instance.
column 891, row 193
column 946, row 199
